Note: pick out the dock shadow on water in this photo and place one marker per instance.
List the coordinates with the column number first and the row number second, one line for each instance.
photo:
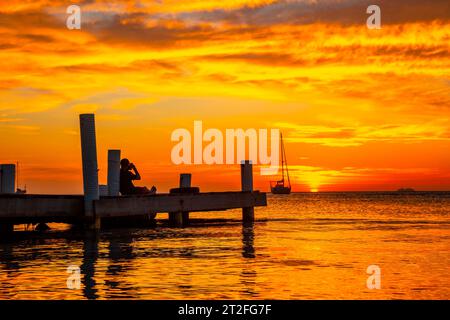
column 300, row 247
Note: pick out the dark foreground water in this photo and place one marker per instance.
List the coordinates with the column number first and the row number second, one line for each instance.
column 304, row 246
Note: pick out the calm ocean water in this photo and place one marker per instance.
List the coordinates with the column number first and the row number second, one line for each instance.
column 303, row 246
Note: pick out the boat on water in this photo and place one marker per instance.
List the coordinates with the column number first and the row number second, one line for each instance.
column 282, row 186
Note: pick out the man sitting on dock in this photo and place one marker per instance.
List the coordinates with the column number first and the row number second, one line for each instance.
column 126, row 180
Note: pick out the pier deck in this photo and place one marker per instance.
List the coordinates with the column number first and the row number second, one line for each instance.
column 19, row 208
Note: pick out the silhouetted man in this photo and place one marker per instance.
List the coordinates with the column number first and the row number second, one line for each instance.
column 126, row 180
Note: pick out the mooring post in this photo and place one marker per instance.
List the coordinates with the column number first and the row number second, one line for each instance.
column 185, row 182
column 90, row 167
column 8, row 178
column 113, row 172
column 248, row 213
column 7, row 185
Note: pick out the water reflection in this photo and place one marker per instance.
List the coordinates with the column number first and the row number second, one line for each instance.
column 248, row 274
column 248, row 237
column 314, row 247
column 90, row 256
column 120, row 263
column 7, row 260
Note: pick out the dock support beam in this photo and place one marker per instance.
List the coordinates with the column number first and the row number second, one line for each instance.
column 90, row 166
column 248, row 213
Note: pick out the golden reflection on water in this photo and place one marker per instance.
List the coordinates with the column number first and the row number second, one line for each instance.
column 304, row 246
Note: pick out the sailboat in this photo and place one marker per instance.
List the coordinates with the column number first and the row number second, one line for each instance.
column 280, row 186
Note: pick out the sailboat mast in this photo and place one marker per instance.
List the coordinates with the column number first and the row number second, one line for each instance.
column 282, row 158
column 285, row 162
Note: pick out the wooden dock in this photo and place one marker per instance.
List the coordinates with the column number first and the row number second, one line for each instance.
column 26, row 209
column 19, row 208
column 91, row 208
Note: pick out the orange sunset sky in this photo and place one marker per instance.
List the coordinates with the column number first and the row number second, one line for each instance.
column 360, row 109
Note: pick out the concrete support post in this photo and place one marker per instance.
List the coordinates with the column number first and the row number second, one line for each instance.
column 248, row 213
column 185, row 180
column 113, row 172
column 90, row 166
column 8, row 178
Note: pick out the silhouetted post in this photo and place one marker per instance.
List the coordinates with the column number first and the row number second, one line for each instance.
column 248, row 213
column 7, row 185
column 185, row 180
column 90, row 166
column 113, row 172
column 8, row 178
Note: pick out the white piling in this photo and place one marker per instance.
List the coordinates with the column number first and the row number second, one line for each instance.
column 8, row 178
column 113, row 172
column 89, row 157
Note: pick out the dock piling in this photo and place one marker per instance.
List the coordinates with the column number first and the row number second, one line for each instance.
column 185, row 180
column 90, row 165
column 113, row 172
column 248, row 213
column 8, row 178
